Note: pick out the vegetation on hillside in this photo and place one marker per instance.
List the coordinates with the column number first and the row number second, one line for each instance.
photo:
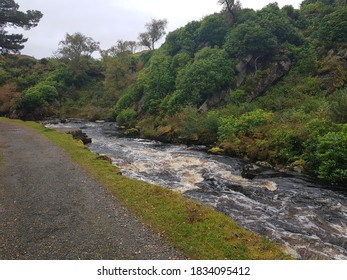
column 265, row 85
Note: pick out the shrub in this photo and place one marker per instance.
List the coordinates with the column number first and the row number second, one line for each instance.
column 38, row 95
column 246, row 123
column 332, row 156
column 127, row 117
column 338, row 106
column 211, row 72
column 326, row 150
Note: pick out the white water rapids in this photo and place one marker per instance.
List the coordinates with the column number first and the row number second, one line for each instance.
column 311, row 221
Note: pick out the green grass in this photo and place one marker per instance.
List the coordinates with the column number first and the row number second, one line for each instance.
column 197, row 230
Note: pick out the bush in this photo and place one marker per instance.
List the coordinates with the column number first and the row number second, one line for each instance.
column 127, row 117
column 250, row 38
column 211, row 72
column 338, row 106
column 230, row 127
column 333, row 27
column 326, row 150
column 35, row 97
column 332, row 156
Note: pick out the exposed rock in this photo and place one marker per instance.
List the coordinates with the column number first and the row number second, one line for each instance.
column 141, row 104
column 79, row 135
column 263, row 79
column 105, row 158
column 132, row 132
column 332, row 73
column 264, row 164
column 241, row 68
column 214, row 101
column 262, row 170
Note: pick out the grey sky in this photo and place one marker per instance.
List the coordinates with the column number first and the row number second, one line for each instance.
column 107, row 21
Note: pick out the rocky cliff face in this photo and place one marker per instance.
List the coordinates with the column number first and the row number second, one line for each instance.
column 254, row 76
column 333, row 69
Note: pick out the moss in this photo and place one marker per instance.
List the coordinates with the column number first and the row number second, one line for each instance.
column 216, row 151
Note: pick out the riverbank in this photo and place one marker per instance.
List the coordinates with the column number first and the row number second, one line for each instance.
column 288, row 208
column 198, row 231
column 51, row 209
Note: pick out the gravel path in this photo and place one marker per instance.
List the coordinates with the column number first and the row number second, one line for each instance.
column 51, row 209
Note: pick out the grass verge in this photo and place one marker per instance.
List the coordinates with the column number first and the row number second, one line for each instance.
column 197, row 230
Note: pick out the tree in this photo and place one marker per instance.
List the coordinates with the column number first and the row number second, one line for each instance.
column 228, row 4
column 231, row 6
column 76, row 50
column 210, row 73
column 120, row 47
column 333, row 27
column 250, row 38
column 155, row 31
column 212, row 30
column 10, row 16
column 185, row 38
column 76, row 46
column 118, row 75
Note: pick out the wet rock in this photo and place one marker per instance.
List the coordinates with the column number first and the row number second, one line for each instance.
column 132, row 132
column 105, row 158
column 262, row 170
column 79, row 135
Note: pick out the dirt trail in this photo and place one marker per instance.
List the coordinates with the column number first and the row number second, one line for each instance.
column 51, row 209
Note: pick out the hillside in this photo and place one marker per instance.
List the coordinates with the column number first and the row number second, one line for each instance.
column 265, row 85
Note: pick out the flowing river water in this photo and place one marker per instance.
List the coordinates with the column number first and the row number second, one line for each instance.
column 289, row 208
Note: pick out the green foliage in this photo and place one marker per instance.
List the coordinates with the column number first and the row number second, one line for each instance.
column 250, row 38
column 306, row 61
column 212, row 30
column 131, row 95
column 231, row 126
column 237, row 97
column 262, row 33
column 126, row 117
column 160, row 81
column 35, row 97
column 326, row 149
column 278, row 22
column 211, row 72
column 118, row 75
column 4, row 76
column 154, row 31
column 297, row 119
column 338, row 106
column 76, row 51
column 180, row 60
column 10, row 16
column 331, row 155
column 333, row 27
column 183, row 39
column 311, row 15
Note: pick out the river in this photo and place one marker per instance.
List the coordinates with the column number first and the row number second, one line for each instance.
column 289, row 208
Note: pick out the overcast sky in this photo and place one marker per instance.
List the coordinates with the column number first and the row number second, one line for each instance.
column 107, row 21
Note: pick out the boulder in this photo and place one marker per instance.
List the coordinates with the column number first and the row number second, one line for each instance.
column 105, row 158
column 79, row 135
